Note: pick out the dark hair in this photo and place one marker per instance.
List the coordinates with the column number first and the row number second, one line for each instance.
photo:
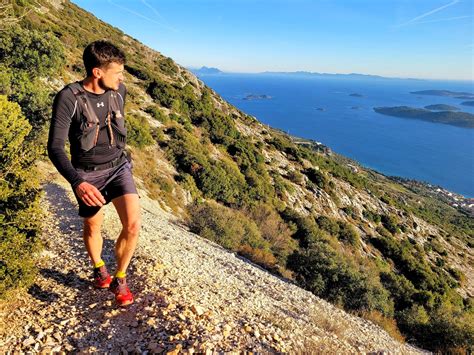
column 101, row 53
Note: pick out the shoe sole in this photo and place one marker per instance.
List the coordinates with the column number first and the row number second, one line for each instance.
column 124, row 304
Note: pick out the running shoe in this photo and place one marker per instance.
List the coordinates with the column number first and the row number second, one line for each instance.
column 119, row 287
column 102, row 278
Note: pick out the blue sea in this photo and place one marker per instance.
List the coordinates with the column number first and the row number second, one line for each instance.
column 436, row 153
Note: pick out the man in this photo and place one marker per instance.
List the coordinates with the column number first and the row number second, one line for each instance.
column 90, row 113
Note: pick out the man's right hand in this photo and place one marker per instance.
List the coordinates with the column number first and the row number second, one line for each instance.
column 90, row 194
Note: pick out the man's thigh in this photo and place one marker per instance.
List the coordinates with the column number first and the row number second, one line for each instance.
column 93, row 223
column 128, row 209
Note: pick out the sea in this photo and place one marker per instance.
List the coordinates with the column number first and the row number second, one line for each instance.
column 338, row 112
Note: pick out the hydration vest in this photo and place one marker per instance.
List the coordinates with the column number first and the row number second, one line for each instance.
column 89, row 122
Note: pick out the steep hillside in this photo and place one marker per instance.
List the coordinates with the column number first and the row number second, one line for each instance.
column 345, row 233
column 192, row 296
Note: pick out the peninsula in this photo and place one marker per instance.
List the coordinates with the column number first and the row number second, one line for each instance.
column 460, row 119
column 447, row 93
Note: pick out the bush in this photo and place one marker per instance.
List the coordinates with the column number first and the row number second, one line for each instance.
column 316, row 177
column 34, row 52
column 322, row 271
column 138, row 131
column 328, row 224
column 307, row 230
column 371, row 216
column 231, row 229
column 168, row 67
column 296, row 177
column 20, row 215
column 26, row 55
column 273, row 229
column 390, row 223
column 138, row 73
column 157, row 114
column 348, row 234
column 162, row 93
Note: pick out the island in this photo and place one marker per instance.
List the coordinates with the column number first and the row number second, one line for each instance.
column 257, row 97
column 460, row 119
column 468, row 103
column 356, row 95
column 205, row 71
column 320, row 109
column 441, row 107
column 446, row 93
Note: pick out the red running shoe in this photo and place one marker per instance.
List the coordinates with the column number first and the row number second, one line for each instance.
column 119, row 287
column 102, row 278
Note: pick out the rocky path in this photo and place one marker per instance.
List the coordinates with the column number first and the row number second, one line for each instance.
column 191, row 296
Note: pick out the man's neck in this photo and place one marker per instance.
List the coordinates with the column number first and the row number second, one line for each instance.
column 92, row 85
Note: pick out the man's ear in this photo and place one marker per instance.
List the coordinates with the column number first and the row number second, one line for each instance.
column 96, row 72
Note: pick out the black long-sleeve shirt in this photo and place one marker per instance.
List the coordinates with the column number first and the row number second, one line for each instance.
column 65, row 124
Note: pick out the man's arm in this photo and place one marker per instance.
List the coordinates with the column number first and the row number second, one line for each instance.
column 63, row 109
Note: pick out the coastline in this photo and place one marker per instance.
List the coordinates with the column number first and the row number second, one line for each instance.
column 456, row 200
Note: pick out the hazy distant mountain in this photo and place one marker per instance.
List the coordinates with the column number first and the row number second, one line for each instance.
column 333, row 75
column 447, row 93
column 205, row 71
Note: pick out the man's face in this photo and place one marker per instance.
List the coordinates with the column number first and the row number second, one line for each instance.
column 111, row 76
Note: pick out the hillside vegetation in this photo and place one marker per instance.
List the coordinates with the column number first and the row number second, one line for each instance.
column 348, row 234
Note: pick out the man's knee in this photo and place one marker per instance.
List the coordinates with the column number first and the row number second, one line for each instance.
column 133, row 227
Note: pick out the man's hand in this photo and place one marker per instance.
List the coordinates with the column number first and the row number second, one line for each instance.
column 90, row 194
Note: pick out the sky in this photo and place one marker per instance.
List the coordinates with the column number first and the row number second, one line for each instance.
column 431, row 39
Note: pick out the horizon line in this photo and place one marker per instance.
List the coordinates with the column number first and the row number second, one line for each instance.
column 323, row 73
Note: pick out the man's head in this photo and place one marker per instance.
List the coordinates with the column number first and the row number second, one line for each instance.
column 104, row 62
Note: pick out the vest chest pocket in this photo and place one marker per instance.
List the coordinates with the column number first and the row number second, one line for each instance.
column 88, row 134
column 119, row 128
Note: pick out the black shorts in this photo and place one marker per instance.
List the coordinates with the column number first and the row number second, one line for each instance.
column 112, row 182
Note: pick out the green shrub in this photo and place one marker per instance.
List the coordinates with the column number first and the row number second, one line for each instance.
column 348, row 234
column 307, row 231
column 231, row 229
column 371, row 216
column 138, row 73
column 221, row 129
column 296, row 177
column 34, row 52
column 163, row 93
column 168, row 67
column 20, row 215
column 316, row 177
column 390, row 223
column 25, row 56
column 322, row 271
column 328, row 224
column 273, row 229
column 138, row 131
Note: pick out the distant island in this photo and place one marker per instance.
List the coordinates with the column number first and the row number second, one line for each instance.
column 205, row 71
column 441, row 107
column 468, row 103
column 446, row 93
column 335, row 75
column 460, row 119
column 356, row 95
column 257, row 97
column 320, row 109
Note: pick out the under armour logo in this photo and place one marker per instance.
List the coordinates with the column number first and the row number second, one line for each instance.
column 100, row 104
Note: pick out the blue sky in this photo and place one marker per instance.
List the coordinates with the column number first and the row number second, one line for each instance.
column 396, row 38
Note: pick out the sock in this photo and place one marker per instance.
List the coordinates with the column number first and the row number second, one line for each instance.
column 99, row 264
column 120, row 274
